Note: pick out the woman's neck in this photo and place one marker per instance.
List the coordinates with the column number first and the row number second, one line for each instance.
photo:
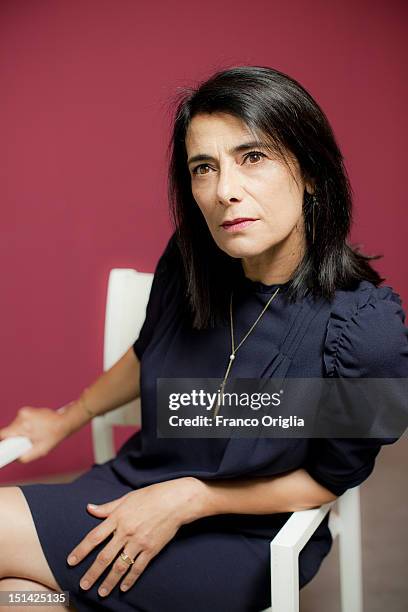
column 276, row 264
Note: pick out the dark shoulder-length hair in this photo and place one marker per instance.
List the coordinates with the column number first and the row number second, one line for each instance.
column 282, row 115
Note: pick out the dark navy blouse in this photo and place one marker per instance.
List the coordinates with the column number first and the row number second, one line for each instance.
column 360, row 333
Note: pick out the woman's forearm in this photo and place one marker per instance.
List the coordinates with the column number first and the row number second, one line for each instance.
column 289, row 492
column 115, row 387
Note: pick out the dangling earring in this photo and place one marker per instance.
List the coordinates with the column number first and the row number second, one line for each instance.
column 314, row 204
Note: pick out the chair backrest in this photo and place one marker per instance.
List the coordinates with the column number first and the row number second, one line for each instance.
column 127, row 296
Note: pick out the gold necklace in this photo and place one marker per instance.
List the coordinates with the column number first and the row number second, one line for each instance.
column 234, row 349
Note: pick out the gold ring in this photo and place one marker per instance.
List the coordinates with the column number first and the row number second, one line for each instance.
column 126, row 558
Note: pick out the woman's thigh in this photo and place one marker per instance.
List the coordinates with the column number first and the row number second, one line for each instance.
column 200, row 569
column 21, row 552
column 204, row 571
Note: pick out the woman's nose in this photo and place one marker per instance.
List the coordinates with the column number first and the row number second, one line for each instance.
column 229, row 188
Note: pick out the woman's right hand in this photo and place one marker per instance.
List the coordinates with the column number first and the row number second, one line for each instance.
column 45, row 428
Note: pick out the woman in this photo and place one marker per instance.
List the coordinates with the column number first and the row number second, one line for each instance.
column 257, row 280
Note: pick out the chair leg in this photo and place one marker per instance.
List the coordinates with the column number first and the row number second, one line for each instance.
column 102, row 437
column 284, row 579
column 351, row 575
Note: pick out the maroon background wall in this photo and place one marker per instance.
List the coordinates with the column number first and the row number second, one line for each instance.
column 84, row 124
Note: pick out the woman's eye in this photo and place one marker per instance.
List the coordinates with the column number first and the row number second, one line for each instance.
column 254, row 154
column 197, row 169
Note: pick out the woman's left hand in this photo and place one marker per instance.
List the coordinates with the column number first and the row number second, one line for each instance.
column 142, row 523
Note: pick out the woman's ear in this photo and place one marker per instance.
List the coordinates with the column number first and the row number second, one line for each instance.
column 310, row 186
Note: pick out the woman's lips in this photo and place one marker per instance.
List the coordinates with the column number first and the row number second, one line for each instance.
column 239, row 226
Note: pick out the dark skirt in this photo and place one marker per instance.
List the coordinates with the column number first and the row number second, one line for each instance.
column 204, row 567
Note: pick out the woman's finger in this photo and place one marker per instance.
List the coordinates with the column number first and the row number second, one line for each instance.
column 136, row 570
column 103, row 560
column 122, row 567
column 104, row 509
column 91, row 540
column 10, row 431
column 34, row 453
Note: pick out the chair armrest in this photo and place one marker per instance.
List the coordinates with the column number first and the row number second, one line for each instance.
column 12, row 448
column 285, row 549
column 299, row 528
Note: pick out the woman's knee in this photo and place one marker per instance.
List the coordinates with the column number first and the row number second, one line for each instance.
column 22, row 555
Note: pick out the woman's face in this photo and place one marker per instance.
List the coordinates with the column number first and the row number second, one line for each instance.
column 234, row 179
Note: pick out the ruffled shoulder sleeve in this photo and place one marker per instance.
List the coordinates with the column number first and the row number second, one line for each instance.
column 162, row 291
column 366, row 337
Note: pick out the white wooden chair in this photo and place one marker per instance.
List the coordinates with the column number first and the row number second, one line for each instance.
column 127, row 296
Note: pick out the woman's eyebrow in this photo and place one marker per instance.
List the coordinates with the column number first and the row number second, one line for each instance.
column 242, row 147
